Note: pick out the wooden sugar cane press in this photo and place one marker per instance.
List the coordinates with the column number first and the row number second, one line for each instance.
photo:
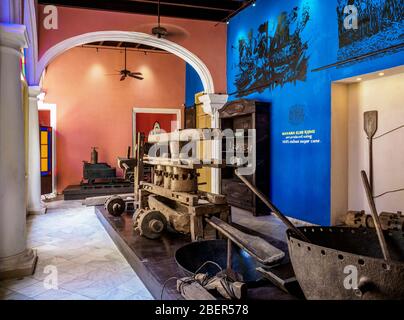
column 172, row 202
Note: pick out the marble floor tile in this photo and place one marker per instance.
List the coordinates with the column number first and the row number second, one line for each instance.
column 32, row 290
column 88, row 264
column 116, row 294
column 75, row 268
column 135, row 285
column 59, row 294
column 15, row 284
column 88, row 288
column 140, row 297
column 108, row 279
column 16, row 296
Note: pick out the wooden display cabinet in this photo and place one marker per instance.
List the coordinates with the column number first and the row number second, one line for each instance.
column 248, row 114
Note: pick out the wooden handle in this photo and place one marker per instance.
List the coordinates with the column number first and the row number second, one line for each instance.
column 274, row 209
column 375, row 216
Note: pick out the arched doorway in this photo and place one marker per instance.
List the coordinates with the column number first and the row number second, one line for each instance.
column 134, row 37
column 211, row 101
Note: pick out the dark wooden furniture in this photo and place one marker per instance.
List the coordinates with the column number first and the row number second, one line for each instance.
column 248, row 114
column 190, row 118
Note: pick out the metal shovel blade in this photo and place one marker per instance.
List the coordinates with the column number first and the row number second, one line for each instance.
column 370, row 123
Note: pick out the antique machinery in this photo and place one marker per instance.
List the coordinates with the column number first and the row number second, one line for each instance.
column 320, row 254
column 172, row 201
column 128, row 166
column 95, row 170
column 133, row 167
column 322, row 257
column 388, row 220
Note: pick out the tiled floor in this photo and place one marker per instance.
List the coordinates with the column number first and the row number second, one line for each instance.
column 71, row 240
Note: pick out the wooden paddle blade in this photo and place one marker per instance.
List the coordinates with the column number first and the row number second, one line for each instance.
column 370, row 123
column 123, row 77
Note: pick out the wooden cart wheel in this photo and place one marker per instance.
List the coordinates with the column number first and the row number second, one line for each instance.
column 151, row 224
column 115, row 206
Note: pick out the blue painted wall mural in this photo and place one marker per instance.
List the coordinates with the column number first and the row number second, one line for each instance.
column 273, row 60
column 286, row 48
column 381, row 27
column 193, row 85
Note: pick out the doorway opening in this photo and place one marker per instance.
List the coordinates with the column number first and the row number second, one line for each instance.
column 381, row 92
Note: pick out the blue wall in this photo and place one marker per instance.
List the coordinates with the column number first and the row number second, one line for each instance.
column 193, row 85
column 300, row 172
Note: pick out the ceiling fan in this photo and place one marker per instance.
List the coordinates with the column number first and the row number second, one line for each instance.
column 127, row 73
column 159, row 31
column 175, row 34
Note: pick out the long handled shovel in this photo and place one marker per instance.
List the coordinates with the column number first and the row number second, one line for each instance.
column 271, row 206
column 370, row 125
column 375, row 216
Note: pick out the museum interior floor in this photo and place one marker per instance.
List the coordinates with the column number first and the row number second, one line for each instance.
column 88, row 263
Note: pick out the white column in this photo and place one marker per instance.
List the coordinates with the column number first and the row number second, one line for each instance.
column 212, row 103
column 35, row 205
column 10, row 11
column 15, row 259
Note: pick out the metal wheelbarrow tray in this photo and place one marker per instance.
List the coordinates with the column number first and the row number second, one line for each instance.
column 347, row 264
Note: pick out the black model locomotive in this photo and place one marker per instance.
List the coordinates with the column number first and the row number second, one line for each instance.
column 97, row 171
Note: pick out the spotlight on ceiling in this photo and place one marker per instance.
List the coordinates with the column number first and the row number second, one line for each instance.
column 358, row 79
column 381, row 74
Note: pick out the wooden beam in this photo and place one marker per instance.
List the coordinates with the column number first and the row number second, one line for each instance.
column 185, row 198
column 257, row 247
column 197, row 9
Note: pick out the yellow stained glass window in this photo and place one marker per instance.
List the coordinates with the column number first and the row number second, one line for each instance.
column 44, row 137
column 44, row 165
column 44, row 151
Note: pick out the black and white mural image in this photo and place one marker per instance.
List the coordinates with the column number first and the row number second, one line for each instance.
column 380, row 25
column 271, row 58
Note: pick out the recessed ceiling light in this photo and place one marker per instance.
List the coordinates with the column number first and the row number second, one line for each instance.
column 381, row 74
column 358, row 79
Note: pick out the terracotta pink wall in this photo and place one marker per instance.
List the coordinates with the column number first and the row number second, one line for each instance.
column 96, row 110
column 202, row 38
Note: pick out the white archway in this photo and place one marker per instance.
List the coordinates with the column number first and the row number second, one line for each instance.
column 211, row 102
column 135, row 37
